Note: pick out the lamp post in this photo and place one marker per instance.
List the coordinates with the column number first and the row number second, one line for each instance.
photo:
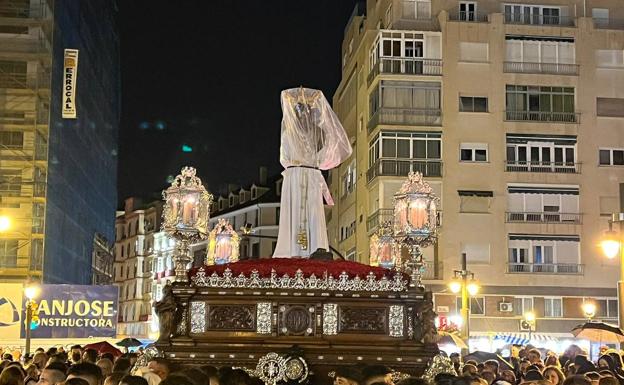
column 463, row 281
column 589, row 309
column 185, row 216
column 31, row 291
column 611, row 246
column 528, row 322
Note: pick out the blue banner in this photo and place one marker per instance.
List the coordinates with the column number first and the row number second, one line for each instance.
column 74, row 311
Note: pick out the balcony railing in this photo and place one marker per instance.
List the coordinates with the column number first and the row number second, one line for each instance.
column 540, row 68
column 545, row 268
column 470, row 17
column 602, row 23
column 387, row 215
column 542, row 116
column 432, row 270
column 543, row 217
column 536, row 166
column 406, row 116
column 406, row 66
column 401, row 167
column 532, row 19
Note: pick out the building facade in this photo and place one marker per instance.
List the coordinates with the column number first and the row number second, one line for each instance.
column 135, row 230
column 102, row 261
column 56, row 171
column 513, row 111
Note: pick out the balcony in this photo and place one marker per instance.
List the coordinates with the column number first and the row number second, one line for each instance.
column 540, row 68
column 405, row 66
column 543, row 217
column 542, row 116
column 602, row 23
column 469, row 17
column 531, row 19
column 537, row 166
column 387, row 215
column 432, row 270
column 401, row 167
column 545, row 268
column 406, row 117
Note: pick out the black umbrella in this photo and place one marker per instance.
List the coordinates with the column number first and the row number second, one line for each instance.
column 129, row 342
column 481, row 356
column 599, row 332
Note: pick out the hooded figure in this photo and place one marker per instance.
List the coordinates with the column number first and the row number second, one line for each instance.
column 312, row 140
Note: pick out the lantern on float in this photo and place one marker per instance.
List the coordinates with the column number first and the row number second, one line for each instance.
column 415, row 221
column 185, row 216
column 223, row 246
column 383, row 247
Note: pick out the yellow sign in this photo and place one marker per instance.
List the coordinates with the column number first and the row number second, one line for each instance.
column 70, row 71
column 10, row 310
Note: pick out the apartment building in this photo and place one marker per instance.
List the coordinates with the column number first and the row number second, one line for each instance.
column 135, row 243
column 56, row 171
column 102, row 261
column 513, row 111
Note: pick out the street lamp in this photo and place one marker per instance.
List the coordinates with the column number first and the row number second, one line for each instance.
column 5, row 223
column 589, row 309
column 611, row 246
column 31, row 291
column 528, row 323
column 185, row 216
column 467, row 287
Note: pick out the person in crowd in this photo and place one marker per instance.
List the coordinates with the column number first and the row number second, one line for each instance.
column 554, row 375
column 106, row 366
column 608, row 380
column 160, row 366
column 488, row 376
column 87, row 371
column 469, row 370
column 122, row 365
column 376, row 373
column 90, row 355
column 347, row 375
column 534, row 356
column 132, row 380
column 75, row 381
column 32, row 374
column 532, row 376
column 53, row 374
column 491, row 366
column 12, row 375
column 508, row 376
column 114, row 378
column 577, row 379
column 75, row 354
column 456, row 360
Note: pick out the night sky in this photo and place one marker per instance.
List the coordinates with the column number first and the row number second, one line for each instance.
column 207, row 75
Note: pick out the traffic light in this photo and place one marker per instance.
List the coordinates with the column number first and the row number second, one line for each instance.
column 34, row 315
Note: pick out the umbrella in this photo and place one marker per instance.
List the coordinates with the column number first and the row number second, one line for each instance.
column 452, row 339
column 104, row 347
column 481, row 356
column 599, row 332
column 129, row 342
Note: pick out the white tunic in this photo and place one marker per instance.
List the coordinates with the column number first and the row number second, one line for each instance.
column 312, row 140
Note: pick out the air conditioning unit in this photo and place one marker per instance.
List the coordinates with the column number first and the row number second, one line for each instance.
column 505, row 307
column 525, row 326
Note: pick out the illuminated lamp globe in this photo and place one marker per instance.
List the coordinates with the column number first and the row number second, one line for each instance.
column 589, row 309
column 610, row 245
column 455, row 286
column 32, row 291
column 473, row 287
column 529, row 316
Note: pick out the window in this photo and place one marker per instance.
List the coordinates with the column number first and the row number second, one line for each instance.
column 351, row 255
column 405, row 145
column 609, row 58
column 522, row 305
column 531, row 14
column 472, row 201
column 478, row 253
column 8, row 252
column 540, row 103
column 399, row 97
column 541, row 153
column 542, row 204
column 416, row 9
column 540, row 50
column 476, row 305
column 553, row 308
column 601, row 17
column 606, row 308
column 553, row 254
column 610, row 107
column 473, row 104
column 467, row 10
column 473, row 152
column 473, row 52
column 11, row 139
column 611, row 157
column 10, row 182
column 348, row 180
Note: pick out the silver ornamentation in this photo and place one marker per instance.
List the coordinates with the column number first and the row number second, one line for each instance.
column 396, row 320
column 396, row 283
column 271, row 368
column 181, row 330
column 264, row 318
column 198, row 317
column 330, row 319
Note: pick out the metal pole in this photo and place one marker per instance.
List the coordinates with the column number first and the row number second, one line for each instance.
column 465, row 309
column 27, row 326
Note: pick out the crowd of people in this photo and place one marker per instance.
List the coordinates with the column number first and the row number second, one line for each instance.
column 526, row 366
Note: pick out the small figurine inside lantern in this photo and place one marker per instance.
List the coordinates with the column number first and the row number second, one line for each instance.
column 383, row 248
column 223, row 246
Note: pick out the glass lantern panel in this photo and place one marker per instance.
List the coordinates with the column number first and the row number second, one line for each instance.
column 418, row 213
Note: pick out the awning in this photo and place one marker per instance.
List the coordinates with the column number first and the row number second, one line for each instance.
column 523, row 338
column 542, row 190
column 544, row 237
column 475, row 193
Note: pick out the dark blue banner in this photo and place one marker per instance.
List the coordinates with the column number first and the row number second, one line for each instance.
column 75, row 311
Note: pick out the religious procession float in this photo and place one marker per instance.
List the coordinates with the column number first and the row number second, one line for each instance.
column 304, row 312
